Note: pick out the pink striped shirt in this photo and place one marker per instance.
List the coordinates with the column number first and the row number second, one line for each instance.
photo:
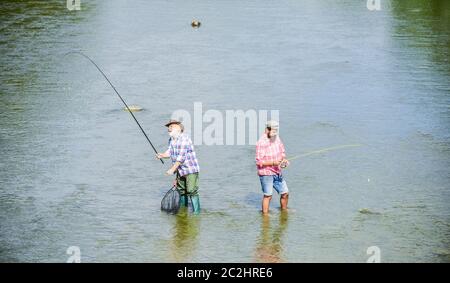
column 269, row 151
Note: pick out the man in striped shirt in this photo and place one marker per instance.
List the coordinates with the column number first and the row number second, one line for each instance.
column 270, row 158
column 185, row 164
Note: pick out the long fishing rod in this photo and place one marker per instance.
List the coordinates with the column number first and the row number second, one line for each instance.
column 123, row 101
column 324, row 150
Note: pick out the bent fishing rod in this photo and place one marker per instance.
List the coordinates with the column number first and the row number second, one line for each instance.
column 123, row 101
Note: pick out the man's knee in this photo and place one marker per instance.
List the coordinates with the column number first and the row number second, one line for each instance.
column 267, row 197
column 285, row 196
column 192, row 191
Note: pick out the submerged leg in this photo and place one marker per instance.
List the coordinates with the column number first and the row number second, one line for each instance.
column 192, row 181
column 266, row 203
column 181, row 186
column 195, row 204
column 184, row 201
column 284, row 198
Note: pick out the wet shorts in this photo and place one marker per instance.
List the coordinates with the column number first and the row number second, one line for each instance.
column 273, row 181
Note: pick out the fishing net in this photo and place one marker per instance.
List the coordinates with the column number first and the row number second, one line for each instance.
column 171, row 201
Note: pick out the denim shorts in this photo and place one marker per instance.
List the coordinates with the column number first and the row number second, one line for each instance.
column 273, row 181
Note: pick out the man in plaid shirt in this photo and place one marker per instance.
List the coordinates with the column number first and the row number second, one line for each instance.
column 270, row 158
column 185, row 164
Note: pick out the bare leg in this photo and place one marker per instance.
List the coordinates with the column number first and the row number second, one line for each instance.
column 265, row 203
column 284, row 198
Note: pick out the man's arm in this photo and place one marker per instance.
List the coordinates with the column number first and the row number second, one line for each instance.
column 270, row 163
column 284, row 162
column 173, row 168
column 163, row 155
column 259, row 157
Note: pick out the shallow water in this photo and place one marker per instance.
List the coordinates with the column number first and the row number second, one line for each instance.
column 76, row 171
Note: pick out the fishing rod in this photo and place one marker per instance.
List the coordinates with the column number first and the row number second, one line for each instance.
column 123, row 101
column 324, row 150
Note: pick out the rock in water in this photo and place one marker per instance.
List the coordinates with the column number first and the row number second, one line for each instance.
column 133, row 108
column 367, row 211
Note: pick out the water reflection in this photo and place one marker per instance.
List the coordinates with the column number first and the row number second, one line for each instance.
column 269, row 245
column 185, row 234
column 426, row 25
column 60, row 124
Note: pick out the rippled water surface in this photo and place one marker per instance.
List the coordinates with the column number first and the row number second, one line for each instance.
column 76, row 171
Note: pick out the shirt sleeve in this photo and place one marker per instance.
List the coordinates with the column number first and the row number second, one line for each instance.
column 168, row 146
column 282, row 150
column 259, row 154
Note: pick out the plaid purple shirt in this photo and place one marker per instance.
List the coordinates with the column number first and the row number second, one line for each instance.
column 182, row 150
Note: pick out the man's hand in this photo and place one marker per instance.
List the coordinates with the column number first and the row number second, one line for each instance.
column 160, row 155
column 284, row 163
column 174, row 183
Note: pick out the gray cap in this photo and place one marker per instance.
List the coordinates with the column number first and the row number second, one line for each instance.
column 272, row 124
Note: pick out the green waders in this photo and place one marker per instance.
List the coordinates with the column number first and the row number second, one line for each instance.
column 188, row 187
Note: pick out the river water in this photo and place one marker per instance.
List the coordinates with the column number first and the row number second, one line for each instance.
column 76, row 171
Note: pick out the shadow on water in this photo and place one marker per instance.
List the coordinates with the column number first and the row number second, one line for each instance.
column 269, row 247
column 185, row 233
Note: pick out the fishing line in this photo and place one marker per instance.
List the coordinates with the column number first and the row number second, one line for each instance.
column 123, row 101
column 324, row 150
